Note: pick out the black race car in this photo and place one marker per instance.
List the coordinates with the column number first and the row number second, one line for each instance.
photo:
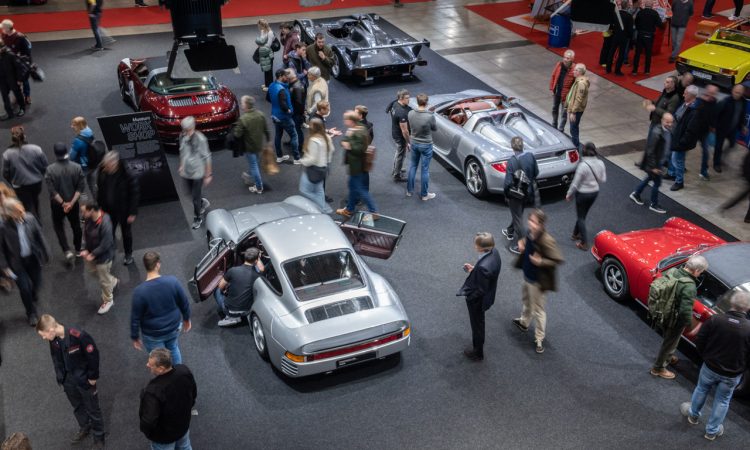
column 363, row 50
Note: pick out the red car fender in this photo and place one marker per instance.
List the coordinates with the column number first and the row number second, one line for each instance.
column 693, row 230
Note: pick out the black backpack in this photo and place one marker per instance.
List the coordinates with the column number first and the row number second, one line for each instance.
column 95, row 150
column 235, row 144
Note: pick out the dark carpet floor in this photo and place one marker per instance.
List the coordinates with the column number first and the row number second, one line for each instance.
column 590, row 389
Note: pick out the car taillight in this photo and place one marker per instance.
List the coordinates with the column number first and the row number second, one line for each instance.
column 352, row 349
column 573, row 156
column 680, row 59
column 728, row 71
column 501, row 167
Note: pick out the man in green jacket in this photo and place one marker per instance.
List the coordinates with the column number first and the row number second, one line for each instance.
column 321, row 56
column 355, row 144
column 686, row 295
column 252, row 128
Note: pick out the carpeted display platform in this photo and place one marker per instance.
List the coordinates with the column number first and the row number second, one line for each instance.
column 153, row 15
column 590, row 389
column 515, row 17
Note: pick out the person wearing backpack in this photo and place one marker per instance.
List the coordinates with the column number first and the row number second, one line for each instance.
column 79, row 149
column 520, row 179
column 671, row 300
column 587, row 180
column 724, row 344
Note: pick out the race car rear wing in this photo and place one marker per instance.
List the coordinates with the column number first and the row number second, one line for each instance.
column 424, row 42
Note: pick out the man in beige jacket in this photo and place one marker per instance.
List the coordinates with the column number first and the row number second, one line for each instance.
column 576, row 101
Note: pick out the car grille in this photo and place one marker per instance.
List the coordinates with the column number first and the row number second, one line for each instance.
column 289, row 368
column 337, row 309
column 193, row 100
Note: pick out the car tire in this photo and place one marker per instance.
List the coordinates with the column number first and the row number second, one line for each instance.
column 336, row 66
column 615, row 279
column 259, row 337
column 474, row 178
column 123, row 92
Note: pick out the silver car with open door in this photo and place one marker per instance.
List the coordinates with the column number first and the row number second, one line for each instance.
column 318, row 306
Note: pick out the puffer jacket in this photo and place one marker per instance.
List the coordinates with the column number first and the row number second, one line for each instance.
column 264, row 51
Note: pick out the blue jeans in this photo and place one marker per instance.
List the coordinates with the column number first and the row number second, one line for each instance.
column 220, row 298
column 254, row 169
column 94, row 21
column 298, row 121
column 574, row 127
column 677, row 167
column 168, row 341
column 707, row 380
column 182, row 443
column 424, row 152
column 357, row 190
column 708, row 141
column 314, row 191
column 656, row 179
column 280, row 126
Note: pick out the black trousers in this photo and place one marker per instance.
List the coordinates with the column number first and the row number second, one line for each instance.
column 268, row 77
column 85, row 403
column 619, row 46
column 196, row 192
column 29, row 196
column 120, row 218
column 58, row 218
column 556, row 103
column 583, row 205
column 738, row 197
column 604, row 52
column 28, row 280
column 5, row 90
column 644, row 42
column 476, row 318
column 721, row 138
column 516, row 208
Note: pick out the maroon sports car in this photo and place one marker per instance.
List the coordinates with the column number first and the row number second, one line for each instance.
column 145, row 85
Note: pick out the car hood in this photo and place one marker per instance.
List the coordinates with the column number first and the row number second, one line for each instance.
column 717, row 55
column 655, row 244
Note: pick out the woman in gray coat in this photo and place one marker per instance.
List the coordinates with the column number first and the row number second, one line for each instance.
column 265, row 54
column 590, row 174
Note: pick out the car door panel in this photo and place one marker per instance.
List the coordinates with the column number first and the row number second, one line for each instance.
column 211, row 269
column 371, row 236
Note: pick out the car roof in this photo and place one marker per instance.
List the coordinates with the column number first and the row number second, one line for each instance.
column 293, row 237
column 728, row 263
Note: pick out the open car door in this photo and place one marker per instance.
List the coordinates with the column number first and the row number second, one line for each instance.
column 212, row 267
column 373, row 237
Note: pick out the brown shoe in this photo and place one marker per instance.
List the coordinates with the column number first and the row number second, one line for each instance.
column 344, row 212
column 581, row 245
column 663, row 373
column 673, row 360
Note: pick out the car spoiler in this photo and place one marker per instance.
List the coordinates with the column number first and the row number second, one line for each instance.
column 424, row 42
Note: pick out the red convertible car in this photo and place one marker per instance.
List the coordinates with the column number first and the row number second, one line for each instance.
column 631, row 261
column 145, row 85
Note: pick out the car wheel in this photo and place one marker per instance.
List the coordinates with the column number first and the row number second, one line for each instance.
column 209, row 238
column 123, row 91
column 336, row 67
column 259, row 337
column 615, row 279
column 474, row 178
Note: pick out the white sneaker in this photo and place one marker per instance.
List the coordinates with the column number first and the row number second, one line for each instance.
column 282, row 159
column 297, row 162
column 70, row 258
column 733, row 18
column 204, row 205
column 255, row 190
column 229, row 321
column 105, row 307
column 429, row 196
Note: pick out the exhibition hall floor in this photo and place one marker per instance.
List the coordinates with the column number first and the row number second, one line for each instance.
column 590, row 389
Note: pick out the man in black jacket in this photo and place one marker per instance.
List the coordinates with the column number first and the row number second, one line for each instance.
column 668, row 101
column 76, row 360
column 65, row 183
column 646, row 22
column 724, row 344
column 99, row 251
column 118, row 195
column 730, row 120
column 684, row 137
column 297, row 91
column 167, row 402
column 654, row 160
column 479, row 289
column 11, row 80
column 23, row 250
column 622, row 29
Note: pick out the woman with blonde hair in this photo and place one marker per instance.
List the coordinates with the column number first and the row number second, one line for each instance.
column 265, row 53
column 317, row 156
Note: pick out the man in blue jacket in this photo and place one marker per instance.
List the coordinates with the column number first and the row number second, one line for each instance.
column 479, row 289
column 281, row 114
column 160, row 310
column 525, row 162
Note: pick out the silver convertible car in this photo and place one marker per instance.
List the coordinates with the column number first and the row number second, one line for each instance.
column 474, row 129
column 318, row 306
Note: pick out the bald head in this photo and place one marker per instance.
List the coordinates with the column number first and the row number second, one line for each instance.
column 667, row 120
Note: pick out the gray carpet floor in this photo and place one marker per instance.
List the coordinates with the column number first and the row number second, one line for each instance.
column 590, row 389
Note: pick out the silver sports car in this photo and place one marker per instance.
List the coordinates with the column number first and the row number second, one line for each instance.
column 318, row 306
column 474, row 129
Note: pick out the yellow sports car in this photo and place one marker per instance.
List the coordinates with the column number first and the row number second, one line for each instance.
column 723, row 60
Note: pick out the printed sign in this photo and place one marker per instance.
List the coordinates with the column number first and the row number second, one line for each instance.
column 134, row 136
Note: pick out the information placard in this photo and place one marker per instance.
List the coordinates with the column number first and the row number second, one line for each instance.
column 135, row 138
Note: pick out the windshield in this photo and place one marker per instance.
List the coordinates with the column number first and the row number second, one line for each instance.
column 317, row 276
column 164, row 85
column 734, row 36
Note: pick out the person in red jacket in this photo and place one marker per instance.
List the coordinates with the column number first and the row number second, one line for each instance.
column 560, row 83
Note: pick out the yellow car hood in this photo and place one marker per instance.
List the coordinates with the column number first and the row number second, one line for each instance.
column 714, row 56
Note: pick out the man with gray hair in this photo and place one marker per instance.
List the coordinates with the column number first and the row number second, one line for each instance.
column 252, row 128
column 519, row 192
column 685, row 293
column 724, row 344
column 560, row 83
column 399, row 112
column 118, row 195
column 576, row 101
column 195, row 167
column 167, row 402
